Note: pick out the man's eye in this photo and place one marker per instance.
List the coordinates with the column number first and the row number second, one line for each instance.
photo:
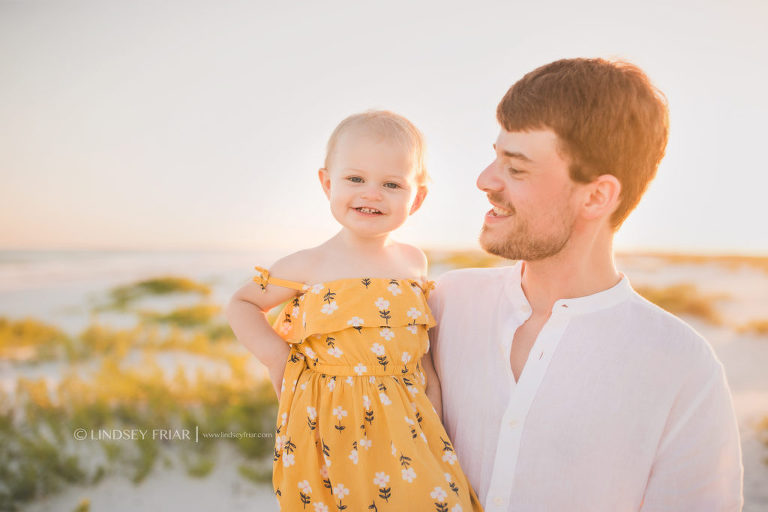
column 513, row 171
column 391, row 185
column 355, row 179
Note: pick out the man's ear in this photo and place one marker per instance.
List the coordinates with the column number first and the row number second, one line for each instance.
column 325, row 181
column 421, row 194
column 603, row 197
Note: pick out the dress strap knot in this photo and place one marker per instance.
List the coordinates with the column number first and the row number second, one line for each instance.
column 264, row 278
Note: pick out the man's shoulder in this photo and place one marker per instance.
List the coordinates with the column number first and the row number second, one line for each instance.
column 663, row 331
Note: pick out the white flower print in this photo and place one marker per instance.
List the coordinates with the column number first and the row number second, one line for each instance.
column 285, row 328
column 381, row 303
column 340, row 491
column 394, row 289
column 327, row 463
column 310, row 353
column 413, row 390
column 394, row 450
column 295, row 311
column 355, row 321
column 449, row 457
column 372, row 379
column 387, row 334
column 448, row 477
column 320, row 507
column 283, row 418
column 364, row 443
column 381, row 479
column 384, row 399
column 457, row 508
column 324, row 472
column 353, row 456
column 378, row 349
column 412, row 329
column 335, row 351
column 280, row 442
column 413, row 313
column 331, row 384
column 317, row 288
column 360, row 369
column 303, row 385
column 366, row 402
column 424, row 438
column 406, row 357
column 288, row 459
column 438, row 494
column 311, row 412
column 349, row 380
column 409, row 421
column 409, row 474
column 329, row 307
column 304, row 487
column 339, row 412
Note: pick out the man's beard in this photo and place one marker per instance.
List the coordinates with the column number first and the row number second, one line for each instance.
column 522, row 244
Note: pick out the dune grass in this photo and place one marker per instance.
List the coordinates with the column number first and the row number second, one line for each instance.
column 122, row 297
column 29, row 339
column 191, row 316
column 37, row 424
column 732, row 261
column 759, row 327
column 684, row 299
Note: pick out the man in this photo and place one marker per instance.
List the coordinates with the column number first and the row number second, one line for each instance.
column 562, row 388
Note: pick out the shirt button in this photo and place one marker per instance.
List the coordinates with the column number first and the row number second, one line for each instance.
column 498, row 500
column 512, row 423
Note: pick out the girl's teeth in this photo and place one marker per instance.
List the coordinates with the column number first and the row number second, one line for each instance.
column 368, row 210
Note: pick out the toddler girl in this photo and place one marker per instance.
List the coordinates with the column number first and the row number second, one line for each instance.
column 356, row 429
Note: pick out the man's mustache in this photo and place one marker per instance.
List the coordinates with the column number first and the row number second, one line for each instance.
column 498, row 200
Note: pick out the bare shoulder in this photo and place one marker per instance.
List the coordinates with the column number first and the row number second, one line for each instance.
column 296, row 266
column 414, row 258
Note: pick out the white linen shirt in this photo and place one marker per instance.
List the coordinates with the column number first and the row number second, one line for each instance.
column 621, row 406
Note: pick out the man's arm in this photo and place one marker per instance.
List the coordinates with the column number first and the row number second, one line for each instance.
column 698, row 462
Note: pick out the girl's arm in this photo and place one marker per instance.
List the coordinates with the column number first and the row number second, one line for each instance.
column 247, row 315
column 433, row 384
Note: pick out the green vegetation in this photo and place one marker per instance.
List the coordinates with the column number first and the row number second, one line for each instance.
column 192, row 316
column 30, row 339
column 123, row 296
column 683, row 299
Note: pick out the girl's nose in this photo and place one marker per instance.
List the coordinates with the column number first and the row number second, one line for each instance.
column 371, row 193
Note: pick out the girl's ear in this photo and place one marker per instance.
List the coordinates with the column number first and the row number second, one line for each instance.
column 325, row 181
column 421, row 194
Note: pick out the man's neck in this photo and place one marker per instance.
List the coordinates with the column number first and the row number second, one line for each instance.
column 574, row 272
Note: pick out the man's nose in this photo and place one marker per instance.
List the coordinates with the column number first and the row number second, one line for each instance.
column 489, row 178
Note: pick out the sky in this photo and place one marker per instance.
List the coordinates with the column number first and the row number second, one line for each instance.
column 201, row 125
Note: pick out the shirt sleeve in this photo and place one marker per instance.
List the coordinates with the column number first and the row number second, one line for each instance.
column 698, row 463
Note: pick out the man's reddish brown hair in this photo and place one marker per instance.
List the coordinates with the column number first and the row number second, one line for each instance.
column 608, row 117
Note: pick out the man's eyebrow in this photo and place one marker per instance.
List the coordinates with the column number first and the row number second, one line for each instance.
column 515, row 154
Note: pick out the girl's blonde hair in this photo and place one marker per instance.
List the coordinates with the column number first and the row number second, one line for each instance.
column 391, row 126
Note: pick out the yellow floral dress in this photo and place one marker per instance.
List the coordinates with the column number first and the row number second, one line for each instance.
column 355, row 430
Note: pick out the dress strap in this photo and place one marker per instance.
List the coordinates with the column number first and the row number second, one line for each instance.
column 426, row 287
column 263, row 278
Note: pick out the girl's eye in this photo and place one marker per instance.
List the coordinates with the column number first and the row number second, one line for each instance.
column 355, row 179
column 391, row 185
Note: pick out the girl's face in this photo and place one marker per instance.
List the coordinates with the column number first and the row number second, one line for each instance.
column 371, row 184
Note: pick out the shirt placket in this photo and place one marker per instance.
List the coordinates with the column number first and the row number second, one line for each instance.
column 521, row 398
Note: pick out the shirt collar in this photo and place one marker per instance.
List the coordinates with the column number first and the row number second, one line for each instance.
column 619, row 292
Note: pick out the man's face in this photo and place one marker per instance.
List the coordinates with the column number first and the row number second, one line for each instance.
column 532, row 194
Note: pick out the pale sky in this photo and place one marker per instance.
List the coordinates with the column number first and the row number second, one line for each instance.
column 196, row 124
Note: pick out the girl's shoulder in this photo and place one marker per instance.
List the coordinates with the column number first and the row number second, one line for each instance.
column 297, row 266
